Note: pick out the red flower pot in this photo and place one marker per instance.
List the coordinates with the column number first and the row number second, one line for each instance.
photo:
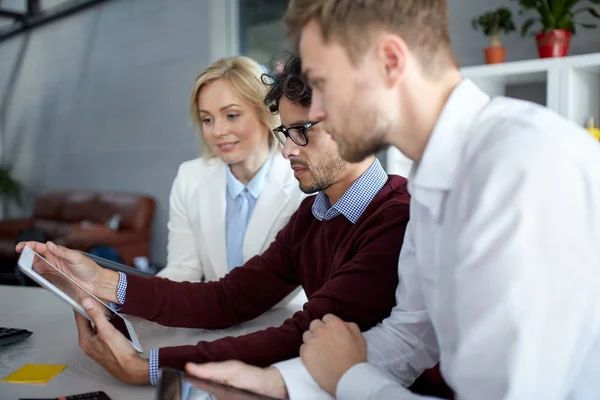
column 554, row 43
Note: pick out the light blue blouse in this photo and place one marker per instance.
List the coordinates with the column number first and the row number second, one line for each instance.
column 241, row 201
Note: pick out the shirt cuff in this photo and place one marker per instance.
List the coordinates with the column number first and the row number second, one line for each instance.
column 121, row 293
column 366, row 381
column 153, row 366
column 299, row 383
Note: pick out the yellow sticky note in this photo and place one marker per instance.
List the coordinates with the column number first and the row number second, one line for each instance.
column 34, row 373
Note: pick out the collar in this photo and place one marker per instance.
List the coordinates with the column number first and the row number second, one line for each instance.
column 254, row 187
column 356, row 199
column 442, row 154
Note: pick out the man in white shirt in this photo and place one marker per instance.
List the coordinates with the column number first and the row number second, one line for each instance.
column 500, row 267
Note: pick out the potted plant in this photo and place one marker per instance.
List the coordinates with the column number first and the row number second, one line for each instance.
column 493, row 23
column 10, row 190
column 558, row 21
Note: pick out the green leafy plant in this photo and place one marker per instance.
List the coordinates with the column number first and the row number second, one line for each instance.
column 557, row 14
column 493, row 23
column 10, row 189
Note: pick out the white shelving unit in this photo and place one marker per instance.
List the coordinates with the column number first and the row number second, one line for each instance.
column 580, row 88
column 568, row 85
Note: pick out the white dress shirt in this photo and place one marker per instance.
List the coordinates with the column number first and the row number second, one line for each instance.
column 500, row 266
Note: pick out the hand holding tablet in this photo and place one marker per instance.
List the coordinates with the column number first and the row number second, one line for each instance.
column 71, row 279
column 175, row 385
column 71, row 263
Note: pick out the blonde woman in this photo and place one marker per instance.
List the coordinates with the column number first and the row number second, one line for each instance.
column 228, row 205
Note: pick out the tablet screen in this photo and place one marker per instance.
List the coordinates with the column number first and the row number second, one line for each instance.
column 75, row 291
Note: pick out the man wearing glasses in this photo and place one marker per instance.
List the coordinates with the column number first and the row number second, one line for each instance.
column 341, row 246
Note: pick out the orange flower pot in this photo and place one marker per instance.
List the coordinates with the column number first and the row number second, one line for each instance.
column 494, row 55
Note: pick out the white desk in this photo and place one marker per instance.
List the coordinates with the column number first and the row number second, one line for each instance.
column 54, row 341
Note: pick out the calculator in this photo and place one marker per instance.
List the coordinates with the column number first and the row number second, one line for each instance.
column 11, row 335
column 83, row 396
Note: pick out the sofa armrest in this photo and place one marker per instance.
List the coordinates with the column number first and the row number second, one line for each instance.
column 82, row 240
column 11, row 228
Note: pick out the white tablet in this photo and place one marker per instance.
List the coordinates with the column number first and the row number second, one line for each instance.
column 48, row 276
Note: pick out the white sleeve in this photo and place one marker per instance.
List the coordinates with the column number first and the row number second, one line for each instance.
column 527, row 277
column 366, row 382
column 361, row 382
column 300, row 385
column 183, row 261
column 404, row 344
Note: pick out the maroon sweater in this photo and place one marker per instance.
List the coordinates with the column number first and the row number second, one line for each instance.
column 346, row 269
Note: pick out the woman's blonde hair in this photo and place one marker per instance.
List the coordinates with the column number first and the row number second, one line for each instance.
column 244, row 75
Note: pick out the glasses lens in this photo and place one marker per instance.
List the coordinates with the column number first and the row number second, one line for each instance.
column 297, row 136
column 280, row 136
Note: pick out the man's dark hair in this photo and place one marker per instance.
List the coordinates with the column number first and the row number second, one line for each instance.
column 288, row 83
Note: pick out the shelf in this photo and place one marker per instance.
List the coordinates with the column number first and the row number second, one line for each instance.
column 581, row 89
column 532, row 80
column 568, row 85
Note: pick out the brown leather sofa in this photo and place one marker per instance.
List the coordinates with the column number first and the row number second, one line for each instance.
column 78, row 220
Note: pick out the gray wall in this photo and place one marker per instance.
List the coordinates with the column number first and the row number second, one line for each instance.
column 101, row 98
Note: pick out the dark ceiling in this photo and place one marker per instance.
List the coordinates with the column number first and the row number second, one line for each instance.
column 33, row 14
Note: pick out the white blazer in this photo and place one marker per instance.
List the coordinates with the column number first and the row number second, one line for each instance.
column 197, row 244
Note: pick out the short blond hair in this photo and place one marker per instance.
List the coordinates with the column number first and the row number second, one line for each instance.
column 244, row 75
column 423, row 24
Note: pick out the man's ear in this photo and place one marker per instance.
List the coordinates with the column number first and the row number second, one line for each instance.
column 391, row 54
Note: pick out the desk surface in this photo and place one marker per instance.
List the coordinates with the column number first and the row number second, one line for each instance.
column 54, row 341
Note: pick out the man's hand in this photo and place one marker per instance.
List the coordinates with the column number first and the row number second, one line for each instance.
column 99, row 281
column 109, row 348
column 331, row 347
column 267, row 381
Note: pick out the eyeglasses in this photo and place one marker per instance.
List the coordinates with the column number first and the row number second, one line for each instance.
column 296, row 132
